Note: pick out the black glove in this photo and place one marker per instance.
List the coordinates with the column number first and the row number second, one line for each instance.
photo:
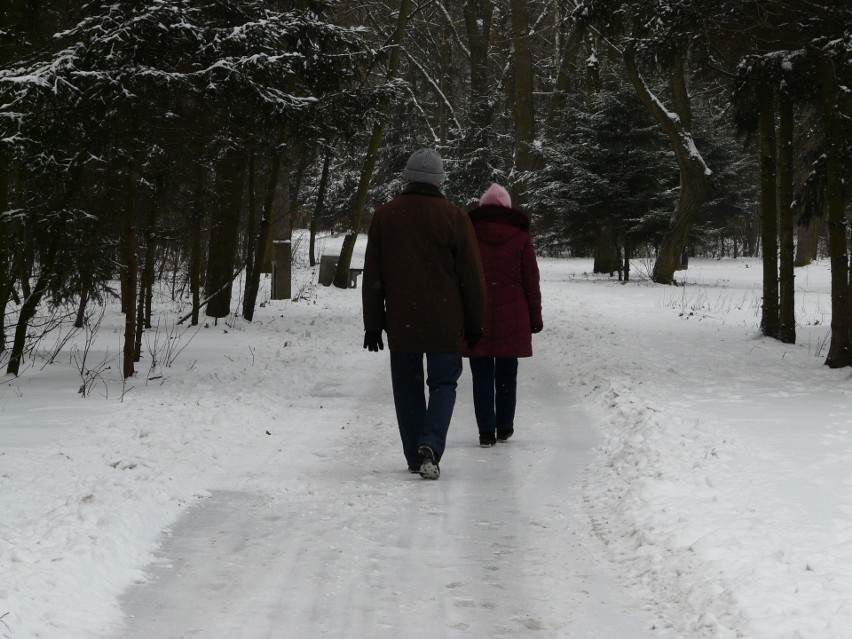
column 537, row 329
column 472, row 339
column 373, row 340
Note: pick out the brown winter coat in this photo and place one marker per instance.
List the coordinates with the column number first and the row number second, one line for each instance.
column 422, row 279
column 511, row 280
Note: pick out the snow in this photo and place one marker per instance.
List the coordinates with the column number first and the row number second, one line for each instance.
column 674, row 474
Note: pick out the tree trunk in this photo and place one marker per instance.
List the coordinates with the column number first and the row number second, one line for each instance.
column 48, row 267
column 446, row 86
column 28, row 308
column 150, row 258
column 282, row 245
column 750, row 236
column 478, row 16
column 195, row 244
column 251, row 239
column 6, row 274
column 770, row 319
column 260, row 242
column 564, row 79
column 140, row 318
column 807, row 241
column 323, row 185
column 9, row 19
column 224, row 235
column 523, row 107
column 787, row 328
column 81, row 308
column 359, row 204
column 694, row 173
column 131, row 270
column 21, row 250
column 280, row 234
column 840, row 350
column 593, row 68
column 250, row 251
column 24, row 257
column 606, row 255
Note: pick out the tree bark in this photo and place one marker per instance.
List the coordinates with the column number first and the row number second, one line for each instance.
column 787, row 310
column 593, row 68
column 256, row 260
column 131, row 270
column 565, row 78
column 140, row 318
column 606, row 256
column 80, row 320
column 320, row 204
column 252, row 236
column 770, row 319
column 6, row 273
column 8, row 18
column 807, row 241
column 475, row 146
column 694, row 173
column 359, row 204
column 523, row 107
column 478, row 16
column 150, row 258
column 28, row 308
column 280, row 234
column 224, row 234
column 195, row 244
column 840, row 349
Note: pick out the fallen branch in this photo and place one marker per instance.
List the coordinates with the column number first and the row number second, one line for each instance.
column 215, row 293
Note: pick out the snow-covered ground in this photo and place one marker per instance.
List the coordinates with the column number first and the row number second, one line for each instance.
column 674, row 474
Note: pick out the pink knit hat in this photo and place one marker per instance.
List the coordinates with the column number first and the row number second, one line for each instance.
column 496, row 195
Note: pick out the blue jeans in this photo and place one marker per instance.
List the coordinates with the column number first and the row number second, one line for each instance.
column 423, row 423
column 495, row 392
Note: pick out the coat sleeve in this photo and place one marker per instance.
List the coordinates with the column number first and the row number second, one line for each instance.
column 372, row 284
column 530, row 277
column 471, row 278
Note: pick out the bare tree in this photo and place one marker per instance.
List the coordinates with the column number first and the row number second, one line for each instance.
column 341, row 276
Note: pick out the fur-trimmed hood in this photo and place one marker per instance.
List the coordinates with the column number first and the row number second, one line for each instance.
column 497, row 224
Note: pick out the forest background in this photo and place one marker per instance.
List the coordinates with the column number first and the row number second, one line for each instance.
column 184, row 140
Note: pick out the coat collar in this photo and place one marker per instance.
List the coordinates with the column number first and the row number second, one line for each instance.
column 502, row 215
column 422, row 188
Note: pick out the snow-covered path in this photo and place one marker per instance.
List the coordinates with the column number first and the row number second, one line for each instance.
column 357, row 547
column 665, row 452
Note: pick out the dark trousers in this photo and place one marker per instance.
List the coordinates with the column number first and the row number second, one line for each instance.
column 422, row 422
column 495, row 392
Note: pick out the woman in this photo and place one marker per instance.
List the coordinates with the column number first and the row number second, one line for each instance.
column 513, row 312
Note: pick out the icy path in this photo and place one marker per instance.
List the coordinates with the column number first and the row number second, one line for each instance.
column 351, row 545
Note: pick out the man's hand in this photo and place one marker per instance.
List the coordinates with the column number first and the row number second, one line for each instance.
column 373, row 340
column 537, row 328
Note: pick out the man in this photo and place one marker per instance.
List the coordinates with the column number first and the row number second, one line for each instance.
column 423, row 285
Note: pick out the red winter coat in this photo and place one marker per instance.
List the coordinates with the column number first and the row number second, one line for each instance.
column 513, row 296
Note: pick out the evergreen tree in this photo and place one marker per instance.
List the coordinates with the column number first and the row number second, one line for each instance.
column 607, row 170
column 114, row 100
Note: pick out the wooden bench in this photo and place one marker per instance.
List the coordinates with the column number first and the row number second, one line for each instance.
column 353, row 276
column 328, row 266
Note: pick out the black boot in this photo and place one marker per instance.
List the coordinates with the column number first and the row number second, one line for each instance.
column 503, row 435
column 487, row 440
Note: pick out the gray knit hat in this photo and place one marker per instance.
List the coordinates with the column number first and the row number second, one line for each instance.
column 424, row 165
